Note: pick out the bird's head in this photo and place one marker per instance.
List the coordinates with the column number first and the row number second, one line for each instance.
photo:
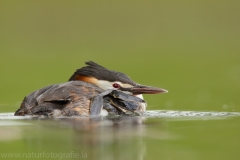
column 109, row 79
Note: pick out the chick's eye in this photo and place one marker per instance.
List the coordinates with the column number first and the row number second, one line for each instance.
column 115, row 85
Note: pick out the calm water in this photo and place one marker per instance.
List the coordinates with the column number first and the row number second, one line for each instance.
column 190, row 48
column 155, row 135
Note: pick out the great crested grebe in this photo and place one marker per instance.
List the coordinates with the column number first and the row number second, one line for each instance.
column 91, row 91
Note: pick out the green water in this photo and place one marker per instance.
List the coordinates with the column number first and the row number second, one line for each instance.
column 130, row 138
column 190, row 48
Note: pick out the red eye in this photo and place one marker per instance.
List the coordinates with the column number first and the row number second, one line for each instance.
column 115, row 85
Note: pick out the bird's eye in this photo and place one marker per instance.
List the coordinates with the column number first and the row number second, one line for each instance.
column 116, row 85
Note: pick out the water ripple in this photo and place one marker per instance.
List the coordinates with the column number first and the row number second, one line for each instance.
column 152, row 113
column 172, row 113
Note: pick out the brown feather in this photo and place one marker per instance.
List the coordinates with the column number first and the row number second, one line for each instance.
column 71, row 98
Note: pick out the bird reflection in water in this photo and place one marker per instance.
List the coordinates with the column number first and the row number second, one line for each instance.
column 109, row 137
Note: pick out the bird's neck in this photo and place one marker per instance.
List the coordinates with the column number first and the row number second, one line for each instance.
column 140, row 96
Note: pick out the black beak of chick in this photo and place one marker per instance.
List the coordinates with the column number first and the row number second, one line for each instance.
column 140, row 89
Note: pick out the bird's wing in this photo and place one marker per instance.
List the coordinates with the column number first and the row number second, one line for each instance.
column 58, row 92
column 72, row 98
column 30, row 101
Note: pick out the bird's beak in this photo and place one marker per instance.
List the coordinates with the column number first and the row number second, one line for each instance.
column 140, row 89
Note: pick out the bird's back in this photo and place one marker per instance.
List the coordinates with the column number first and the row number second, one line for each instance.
column 66, row 99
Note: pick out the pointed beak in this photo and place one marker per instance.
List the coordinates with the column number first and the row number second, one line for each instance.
column 140, row 89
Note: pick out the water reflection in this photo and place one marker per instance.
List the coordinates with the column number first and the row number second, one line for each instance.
column 109, row 138
column 155, row 133
column 11, row 130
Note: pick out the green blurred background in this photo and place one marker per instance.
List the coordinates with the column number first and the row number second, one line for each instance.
column 191, row 48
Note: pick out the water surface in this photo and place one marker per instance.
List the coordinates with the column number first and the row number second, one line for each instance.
column 162, row 134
